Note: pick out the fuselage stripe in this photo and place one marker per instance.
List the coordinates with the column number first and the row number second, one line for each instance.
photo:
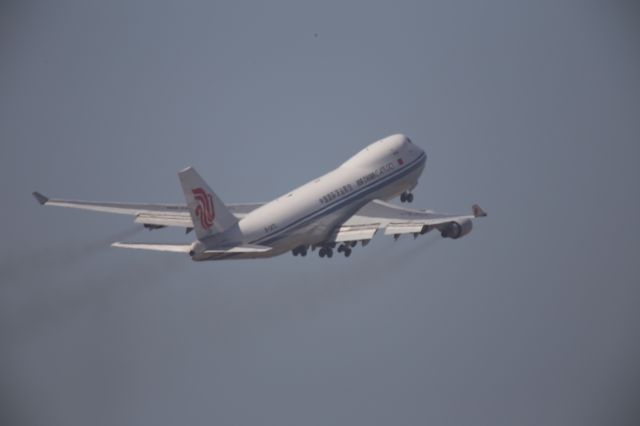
column 339, row 203
column 270, row 238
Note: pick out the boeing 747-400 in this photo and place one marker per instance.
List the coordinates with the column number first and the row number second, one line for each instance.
column 333, row 212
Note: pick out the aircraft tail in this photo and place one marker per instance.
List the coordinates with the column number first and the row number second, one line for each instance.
column 208, row 213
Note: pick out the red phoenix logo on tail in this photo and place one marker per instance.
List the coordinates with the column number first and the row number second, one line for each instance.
column 204, row 210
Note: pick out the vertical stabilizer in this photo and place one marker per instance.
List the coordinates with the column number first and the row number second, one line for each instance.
column 208, row 213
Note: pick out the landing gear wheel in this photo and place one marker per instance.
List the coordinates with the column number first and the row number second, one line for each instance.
column 303, row 252
column 347, row 253
column 409, row 198
column 329, row 253
column 322, row 252
column 341, row 249
column 403, row 197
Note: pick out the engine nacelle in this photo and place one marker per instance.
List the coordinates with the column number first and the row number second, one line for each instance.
column 455, row 230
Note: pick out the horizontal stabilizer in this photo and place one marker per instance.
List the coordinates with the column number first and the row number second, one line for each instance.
column 245, row 248
column 174, row 248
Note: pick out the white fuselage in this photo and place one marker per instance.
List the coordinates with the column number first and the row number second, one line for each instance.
column 311, row 213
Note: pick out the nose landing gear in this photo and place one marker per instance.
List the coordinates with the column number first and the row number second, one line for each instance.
column 406, row 197
column 299, row 251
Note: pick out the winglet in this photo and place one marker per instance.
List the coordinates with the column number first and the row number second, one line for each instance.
column 477, row 211
column 40, row 198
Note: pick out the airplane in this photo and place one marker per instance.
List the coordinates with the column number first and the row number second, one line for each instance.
column 334, row 211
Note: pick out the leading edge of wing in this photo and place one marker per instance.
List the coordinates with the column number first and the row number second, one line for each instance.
column 110, row 207
column 158, row 211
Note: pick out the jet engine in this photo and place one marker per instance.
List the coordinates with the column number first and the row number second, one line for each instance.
column 455, row 230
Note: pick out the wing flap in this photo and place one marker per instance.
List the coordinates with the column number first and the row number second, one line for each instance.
column 403, row 228
column 180, row 220
column 356, row 232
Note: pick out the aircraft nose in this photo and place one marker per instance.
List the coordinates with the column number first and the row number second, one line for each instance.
column 395, row 141
column 415, row 150
column 422, row 151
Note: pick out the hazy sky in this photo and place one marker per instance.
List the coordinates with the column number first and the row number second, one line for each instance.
column 531, row 109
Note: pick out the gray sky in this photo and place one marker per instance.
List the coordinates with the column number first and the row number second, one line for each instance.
column 531, row 109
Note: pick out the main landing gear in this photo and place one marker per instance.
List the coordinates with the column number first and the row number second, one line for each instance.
column 344, row 248
column 326, row 251
column 300, row 251
column 406, row 197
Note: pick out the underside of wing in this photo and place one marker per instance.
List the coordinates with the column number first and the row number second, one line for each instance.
column 396, row 220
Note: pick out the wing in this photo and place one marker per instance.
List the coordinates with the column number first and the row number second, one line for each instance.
column 396, row 220
column 150, row 215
